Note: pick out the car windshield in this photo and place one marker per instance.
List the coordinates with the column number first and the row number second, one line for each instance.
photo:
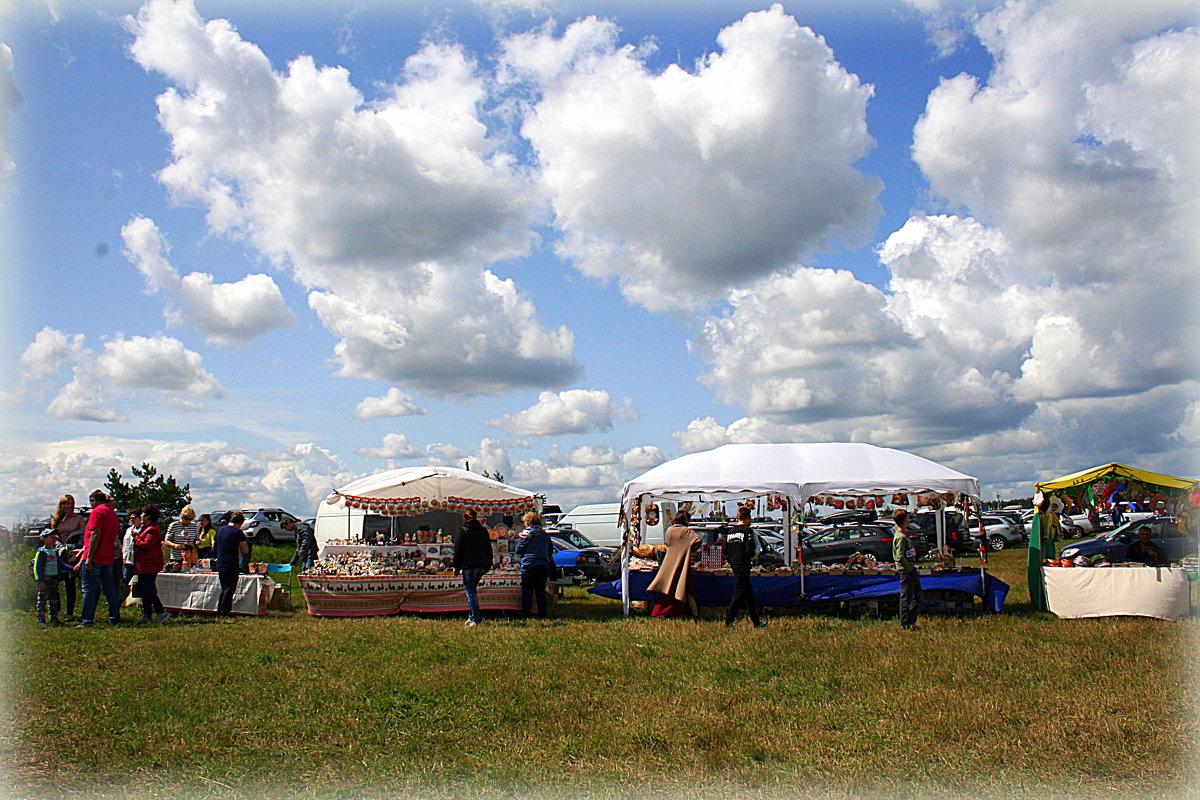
column 573, row 537
column 1131, row 528
column 562, row 543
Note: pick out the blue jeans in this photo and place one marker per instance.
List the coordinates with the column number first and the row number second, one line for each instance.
column 471, row 585
column 97, row 579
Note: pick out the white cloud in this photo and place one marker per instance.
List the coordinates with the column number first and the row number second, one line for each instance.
column 231, row 314
column 157, row 362
column 1059, row 311
column 682, row 184
column 123, row 369
column 221, row 474
column 50, row 351
column 642, row 458
column 384, row 209
column 572, row 411
column 10, row 99
column 395, row 446
column 393, row 404
column 590, row 456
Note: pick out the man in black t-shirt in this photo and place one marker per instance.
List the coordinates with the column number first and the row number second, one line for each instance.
column 1146, row 551
column 229, row 546
column 740, row 547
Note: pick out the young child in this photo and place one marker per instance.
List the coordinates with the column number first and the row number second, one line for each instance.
column 48, row 569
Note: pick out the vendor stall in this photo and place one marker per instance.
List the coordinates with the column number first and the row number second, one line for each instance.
column 822, row 588
column 1051, row 588
column 369, row 564
column 792, row 473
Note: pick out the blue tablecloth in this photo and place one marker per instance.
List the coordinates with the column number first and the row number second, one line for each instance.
column 784, row 590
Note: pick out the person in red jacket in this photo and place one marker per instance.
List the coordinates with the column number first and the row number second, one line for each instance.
column 147, row 563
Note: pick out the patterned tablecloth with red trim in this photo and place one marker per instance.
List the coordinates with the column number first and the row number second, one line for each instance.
column 381, row 595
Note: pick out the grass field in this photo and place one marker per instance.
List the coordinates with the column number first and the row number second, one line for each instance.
column 591, row 705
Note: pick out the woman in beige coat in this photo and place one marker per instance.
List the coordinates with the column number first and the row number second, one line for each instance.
column 673, row 580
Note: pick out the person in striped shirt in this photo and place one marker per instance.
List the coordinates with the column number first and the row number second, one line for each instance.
column 182, row 534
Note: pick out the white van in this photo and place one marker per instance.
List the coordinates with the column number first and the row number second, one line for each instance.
column 598, row 522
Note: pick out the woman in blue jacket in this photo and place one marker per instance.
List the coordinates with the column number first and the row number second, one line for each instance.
column 537, row 557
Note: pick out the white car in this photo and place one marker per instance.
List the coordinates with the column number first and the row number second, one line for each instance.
column 264, row 525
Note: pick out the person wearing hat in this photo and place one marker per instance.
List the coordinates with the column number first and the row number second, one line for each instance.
column 49, row 567
column 96, row 563
column 472, row 558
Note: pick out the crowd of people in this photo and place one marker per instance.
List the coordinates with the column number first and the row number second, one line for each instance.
column 114, row 564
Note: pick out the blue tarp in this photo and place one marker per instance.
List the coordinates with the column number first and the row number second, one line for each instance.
column 775, row 590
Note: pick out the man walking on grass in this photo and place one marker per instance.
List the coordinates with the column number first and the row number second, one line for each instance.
column 904, row 554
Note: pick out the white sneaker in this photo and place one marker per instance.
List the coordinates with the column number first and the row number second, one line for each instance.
column 472, row 623
column 163, row 617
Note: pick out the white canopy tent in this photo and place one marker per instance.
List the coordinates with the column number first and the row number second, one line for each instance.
column 419, row 490
column 797, row 471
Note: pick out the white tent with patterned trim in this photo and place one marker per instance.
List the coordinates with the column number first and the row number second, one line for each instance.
column 418, row 490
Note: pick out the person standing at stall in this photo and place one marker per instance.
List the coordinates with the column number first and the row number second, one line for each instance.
column 740, row 547
column 230, row 545
column 1146, row 551
column 208, row 535
column 306, row 542
column 473, row 558
column 537, row 557
column 674, row 577
column 182, row 535
column 147, row 563
column 904, row 554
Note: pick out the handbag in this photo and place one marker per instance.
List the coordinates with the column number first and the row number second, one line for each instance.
column 135, row 587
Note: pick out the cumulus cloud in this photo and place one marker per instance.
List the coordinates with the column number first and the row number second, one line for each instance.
column 572, row 411
column 395, row 446
column 393, row 404
column 221, row 475
column 641, row 458
column 1057, row 307
column 385, row 209
column 231, row 314
column 682, row 184
column 589, row 456
column 100, row 382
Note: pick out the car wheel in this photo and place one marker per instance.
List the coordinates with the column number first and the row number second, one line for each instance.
column 997, row 542
column 262, row 537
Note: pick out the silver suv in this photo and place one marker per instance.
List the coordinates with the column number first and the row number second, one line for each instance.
column 263, row 525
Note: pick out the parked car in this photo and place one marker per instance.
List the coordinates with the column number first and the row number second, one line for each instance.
column 959, row 538
column 1000, row 531
column 1164, row 532
column 851, row 515
column 262, row 525
column 836, row 544
column 578, row 559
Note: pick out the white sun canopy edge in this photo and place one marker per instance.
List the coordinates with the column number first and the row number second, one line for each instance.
column 797, row 471
column 430, row 483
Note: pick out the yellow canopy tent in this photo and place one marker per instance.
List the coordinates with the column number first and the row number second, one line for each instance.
column 1089, row 476
column 1165, row 484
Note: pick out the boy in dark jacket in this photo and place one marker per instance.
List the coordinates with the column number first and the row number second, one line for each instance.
column 49, row 568
column 472, row 557
column 740, row 547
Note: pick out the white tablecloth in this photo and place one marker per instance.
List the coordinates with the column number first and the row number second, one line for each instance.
column 201, row 591
column 1074, row 592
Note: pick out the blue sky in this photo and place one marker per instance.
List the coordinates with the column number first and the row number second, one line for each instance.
column 272, row 250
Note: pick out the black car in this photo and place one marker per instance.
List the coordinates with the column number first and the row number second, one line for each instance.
column 834, row 545
column 867, row 515
column 1164, row 532
column 960, row 538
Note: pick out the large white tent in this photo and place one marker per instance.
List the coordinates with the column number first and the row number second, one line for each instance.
column 797, row 471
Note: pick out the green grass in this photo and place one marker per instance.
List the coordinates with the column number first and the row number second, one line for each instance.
column 591, row 705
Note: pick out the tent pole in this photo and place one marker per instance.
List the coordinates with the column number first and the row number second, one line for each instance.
column 797, row 546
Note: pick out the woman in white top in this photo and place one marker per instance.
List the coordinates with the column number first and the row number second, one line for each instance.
column 182, row 534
